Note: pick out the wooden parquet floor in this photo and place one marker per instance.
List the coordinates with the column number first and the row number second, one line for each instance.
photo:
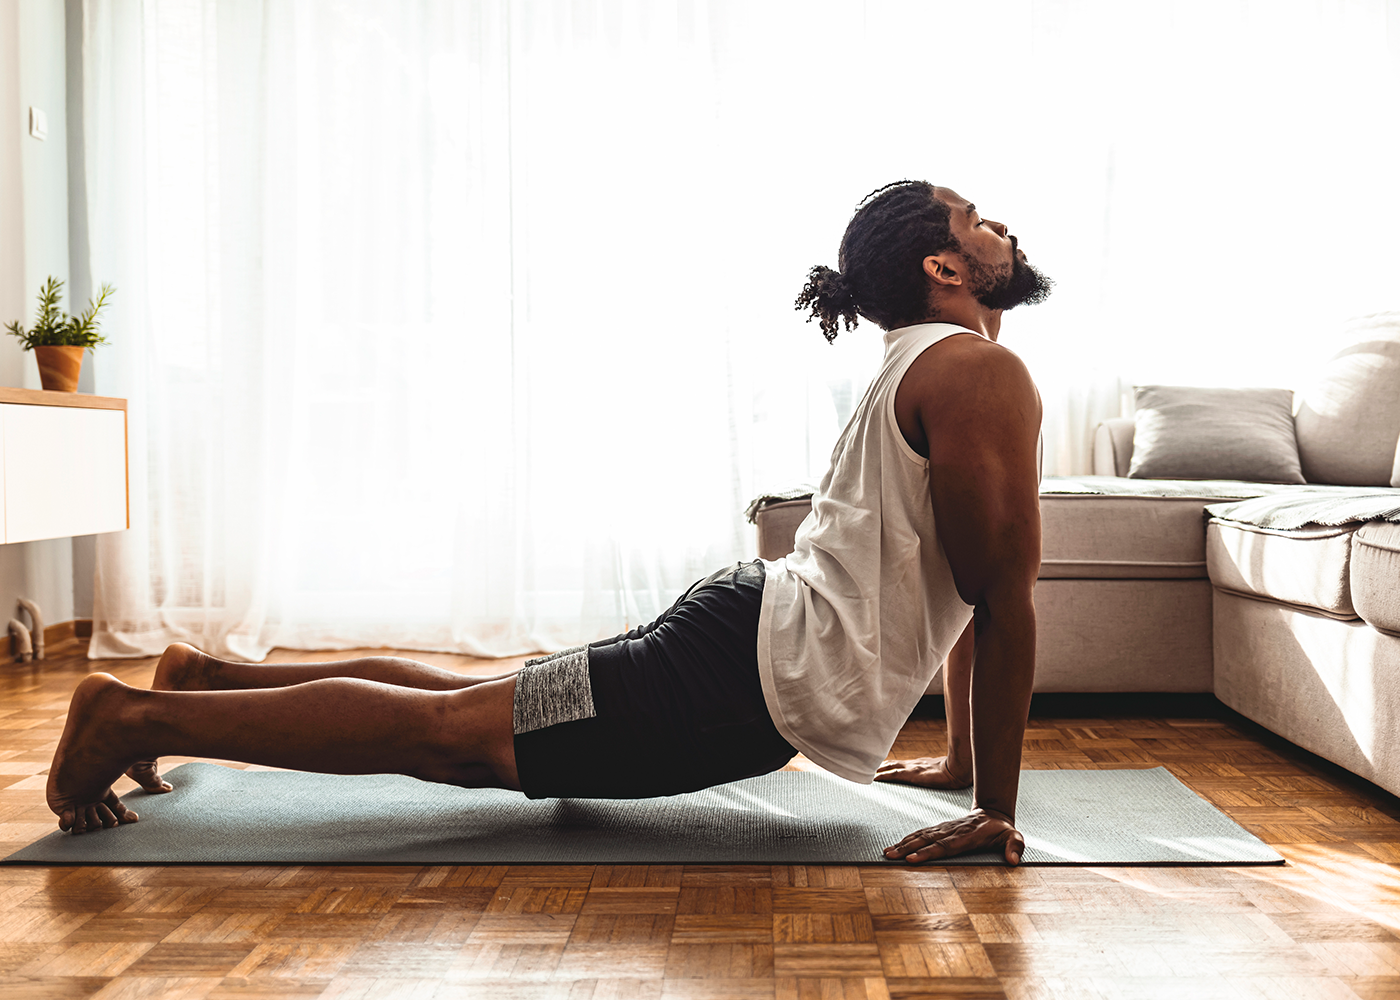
column 1327, row 925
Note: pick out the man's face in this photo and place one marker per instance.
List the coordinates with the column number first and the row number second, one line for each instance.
column 999, row 276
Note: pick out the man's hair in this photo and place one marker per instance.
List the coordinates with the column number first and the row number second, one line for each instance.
column 881, row 261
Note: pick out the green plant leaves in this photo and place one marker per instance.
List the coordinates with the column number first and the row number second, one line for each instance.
column 55, row 328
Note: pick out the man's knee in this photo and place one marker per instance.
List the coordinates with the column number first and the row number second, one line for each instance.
column 473, row 742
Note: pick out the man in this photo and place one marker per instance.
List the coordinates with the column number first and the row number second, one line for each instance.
column 927, row 519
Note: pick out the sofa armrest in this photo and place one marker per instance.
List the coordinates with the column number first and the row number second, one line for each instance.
column 1113, row 447
column 777, row 524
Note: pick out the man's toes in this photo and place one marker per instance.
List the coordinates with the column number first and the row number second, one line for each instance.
column 120, row 813
column 146, row 774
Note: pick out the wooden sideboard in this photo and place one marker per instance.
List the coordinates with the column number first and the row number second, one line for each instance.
column 63, row 464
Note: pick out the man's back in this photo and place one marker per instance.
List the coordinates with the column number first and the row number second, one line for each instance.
column 857, row 619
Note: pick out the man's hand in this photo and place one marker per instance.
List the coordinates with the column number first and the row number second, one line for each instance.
column 930, row 772
column 977, row 831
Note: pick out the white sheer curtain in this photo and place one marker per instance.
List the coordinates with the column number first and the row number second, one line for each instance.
column 467, row 325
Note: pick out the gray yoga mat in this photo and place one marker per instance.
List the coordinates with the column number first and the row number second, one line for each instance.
column 219, row 815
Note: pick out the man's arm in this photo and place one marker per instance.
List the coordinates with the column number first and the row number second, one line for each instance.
column 980, row 414
column 954, row 770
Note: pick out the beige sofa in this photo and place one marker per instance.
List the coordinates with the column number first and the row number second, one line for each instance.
column 1296, row 628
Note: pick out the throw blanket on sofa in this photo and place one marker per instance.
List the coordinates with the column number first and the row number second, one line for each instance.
column 1120, row 486
column 803, row 492
column 1264, row 505
column 1330, row 505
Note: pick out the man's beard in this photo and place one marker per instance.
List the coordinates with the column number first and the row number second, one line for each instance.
column 1023, row 285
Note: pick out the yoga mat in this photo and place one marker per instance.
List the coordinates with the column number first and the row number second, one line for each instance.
column 220, row 815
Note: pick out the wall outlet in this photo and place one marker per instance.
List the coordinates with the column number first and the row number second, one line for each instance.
column 38, row 124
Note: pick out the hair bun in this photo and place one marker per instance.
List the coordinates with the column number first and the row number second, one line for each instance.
column 831, row 299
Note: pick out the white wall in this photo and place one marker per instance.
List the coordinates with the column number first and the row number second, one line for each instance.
column 79, row 278
column 11, row 193
column 33, row 245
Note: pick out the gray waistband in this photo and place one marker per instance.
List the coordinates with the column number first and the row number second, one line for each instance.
column 553, row 689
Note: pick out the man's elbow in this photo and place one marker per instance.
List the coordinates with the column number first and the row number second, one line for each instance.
column 1006, row 603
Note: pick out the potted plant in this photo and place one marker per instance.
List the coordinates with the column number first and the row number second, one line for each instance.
column 59, row 340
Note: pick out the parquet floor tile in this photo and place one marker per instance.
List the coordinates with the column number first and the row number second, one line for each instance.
column 1325, row 926
column 722, row 928
column 630, row 900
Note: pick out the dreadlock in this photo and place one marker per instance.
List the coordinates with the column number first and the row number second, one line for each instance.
column 882, row 261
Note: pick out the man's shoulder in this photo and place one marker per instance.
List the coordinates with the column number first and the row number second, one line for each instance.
column 970, row 364
column 969, row 347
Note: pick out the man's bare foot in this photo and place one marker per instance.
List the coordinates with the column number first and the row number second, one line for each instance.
column 89, row 757
column 181, row 668
column 184, row 668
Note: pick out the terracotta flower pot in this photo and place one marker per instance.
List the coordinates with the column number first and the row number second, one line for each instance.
column 59, row 367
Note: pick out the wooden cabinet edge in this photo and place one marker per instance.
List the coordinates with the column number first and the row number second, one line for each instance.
column 43, row 397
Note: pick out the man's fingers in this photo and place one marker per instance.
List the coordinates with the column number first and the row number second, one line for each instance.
column 921, row 839
column 910, row 843
column 907, row 844
column 953, row 842
column 946, row 843
column 931, row 853
column 902, row 765
column 937, row 847
column 958, row 837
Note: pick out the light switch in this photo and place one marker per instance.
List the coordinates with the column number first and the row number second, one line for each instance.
column 38, row 124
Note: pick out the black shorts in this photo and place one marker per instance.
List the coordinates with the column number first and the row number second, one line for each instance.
column 676, row 705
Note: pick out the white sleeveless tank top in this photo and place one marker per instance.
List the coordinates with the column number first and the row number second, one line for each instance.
column 856, row 621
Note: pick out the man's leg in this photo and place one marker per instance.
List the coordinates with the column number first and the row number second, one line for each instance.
column 184, row 668
column 334, row 725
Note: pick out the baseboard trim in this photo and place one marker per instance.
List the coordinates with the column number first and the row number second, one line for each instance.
column 78, row 628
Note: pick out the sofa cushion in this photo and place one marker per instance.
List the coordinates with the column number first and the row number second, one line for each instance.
column 1186, row 432
column 1089, row 536
column 1306, row 567
column 777, row 524
column 1375, row 575
column 1348, row 420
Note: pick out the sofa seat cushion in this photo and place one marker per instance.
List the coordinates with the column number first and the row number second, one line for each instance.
column 1305, row 567
column 1086, row 536
column 1375, row 575
column 1114, row 528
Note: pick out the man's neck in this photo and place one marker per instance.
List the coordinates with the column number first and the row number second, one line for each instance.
column 970, row 316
